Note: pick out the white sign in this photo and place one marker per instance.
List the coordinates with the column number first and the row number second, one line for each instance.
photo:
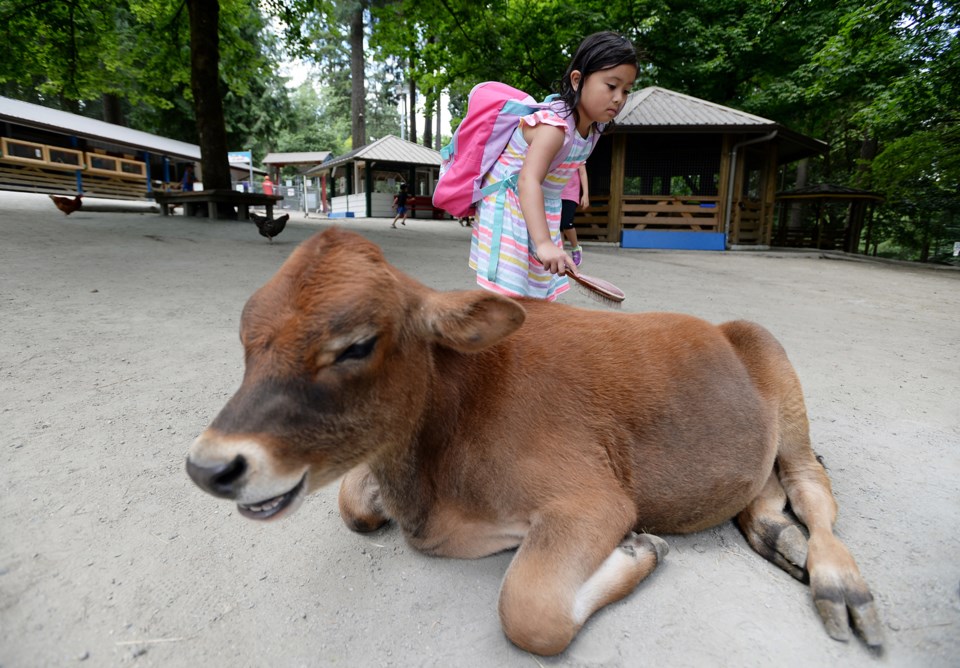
column 956, row 248
column 291, row 192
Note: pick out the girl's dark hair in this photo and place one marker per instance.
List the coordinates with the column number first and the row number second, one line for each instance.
column 599, row 51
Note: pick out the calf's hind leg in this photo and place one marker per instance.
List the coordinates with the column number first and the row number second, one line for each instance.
column 839, row 591
column 773, row 534
column 567, row 568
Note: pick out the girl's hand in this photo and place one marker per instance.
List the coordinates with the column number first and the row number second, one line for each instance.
column 554, row 259
column 585, row 201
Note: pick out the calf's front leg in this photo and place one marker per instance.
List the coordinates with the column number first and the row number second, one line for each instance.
column 565, row 570
column 360, row 506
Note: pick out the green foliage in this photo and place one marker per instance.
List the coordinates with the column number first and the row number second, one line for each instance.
column 880, row 81
column 317, row 122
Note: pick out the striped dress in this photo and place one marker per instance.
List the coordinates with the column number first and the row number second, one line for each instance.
column 500, row 250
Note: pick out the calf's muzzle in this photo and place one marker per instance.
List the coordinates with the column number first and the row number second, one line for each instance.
column 221, row 479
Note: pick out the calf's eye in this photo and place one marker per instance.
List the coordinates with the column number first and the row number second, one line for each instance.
column 357, row 351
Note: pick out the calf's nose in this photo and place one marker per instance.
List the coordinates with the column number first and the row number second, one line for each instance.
column 222, row 479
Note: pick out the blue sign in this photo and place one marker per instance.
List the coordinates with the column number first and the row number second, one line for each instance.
column 245, row 157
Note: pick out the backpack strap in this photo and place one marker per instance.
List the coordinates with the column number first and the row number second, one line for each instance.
column 501, row 188
column 510, row 183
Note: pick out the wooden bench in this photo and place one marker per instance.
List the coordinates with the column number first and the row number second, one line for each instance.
column 194, row 201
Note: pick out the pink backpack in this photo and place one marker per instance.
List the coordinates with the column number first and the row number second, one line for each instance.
column 494, row 110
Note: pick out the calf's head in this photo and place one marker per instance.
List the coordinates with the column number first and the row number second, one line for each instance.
column 338, row 368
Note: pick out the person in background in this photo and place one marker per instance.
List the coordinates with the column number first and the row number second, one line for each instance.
column 576, row 193
column 186, row 183
column 400, row 204
column 267, row 185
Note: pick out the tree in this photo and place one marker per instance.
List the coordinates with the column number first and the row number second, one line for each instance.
column 330, row 34
column 205, row 83
column 134, row 56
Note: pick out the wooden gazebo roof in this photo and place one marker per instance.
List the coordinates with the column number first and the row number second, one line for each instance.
column 659, row 110
column 829, row 191
column 386, row 149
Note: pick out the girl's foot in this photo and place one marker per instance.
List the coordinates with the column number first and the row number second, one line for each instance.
column 577, row 255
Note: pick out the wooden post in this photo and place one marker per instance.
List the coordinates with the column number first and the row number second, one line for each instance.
column 368, row 187
column 723, row 183
column 866, row 242
column 739, row 170
column 819, row 223
column 768, row 194
column 617, row 171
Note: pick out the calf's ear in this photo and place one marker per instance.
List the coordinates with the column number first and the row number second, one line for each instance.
column 471, row 320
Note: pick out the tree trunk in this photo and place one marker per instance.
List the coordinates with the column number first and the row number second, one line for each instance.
column 795, row 220
column 868, row 151
column 428, row 122
column 438, row 140
column 358, row 126
column 112, row 111
column 205, row 84
column 413, row 105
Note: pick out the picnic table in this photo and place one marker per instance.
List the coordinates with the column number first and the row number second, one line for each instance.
column 194, row 201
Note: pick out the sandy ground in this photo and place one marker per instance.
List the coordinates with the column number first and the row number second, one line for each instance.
column 119, row 344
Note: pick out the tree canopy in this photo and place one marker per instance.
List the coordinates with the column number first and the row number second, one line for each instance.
column 877, row 80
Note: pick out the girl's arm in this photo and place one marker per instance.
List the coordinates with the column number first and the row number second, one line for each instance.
column 544, row 142
column 584, row 188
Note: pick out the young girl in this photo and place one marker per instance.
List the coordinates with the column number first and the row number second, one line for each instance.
column 516, row 247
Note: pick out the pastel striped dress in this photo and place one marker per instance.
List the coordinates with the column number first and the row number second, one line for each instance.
column 500, row 249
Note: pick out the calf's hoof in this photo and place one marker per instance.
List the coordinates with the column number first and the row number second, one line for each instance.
column 635, row 543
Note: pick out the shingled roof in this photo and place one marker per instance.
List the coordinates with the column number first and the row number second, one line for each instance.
column 386, row 149
column 656, row 109
column 659, row 106
column 297, row 158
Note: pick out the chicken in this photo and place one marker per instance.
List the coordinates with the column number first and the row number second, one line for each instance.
column 66, row 204
column 270, row 227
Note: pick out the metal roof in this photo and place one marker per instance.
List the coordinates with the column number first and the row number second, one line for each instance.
column 65, row 123
column 301, row 158
column 661, row 107
column 245, row 167
column 386, row 149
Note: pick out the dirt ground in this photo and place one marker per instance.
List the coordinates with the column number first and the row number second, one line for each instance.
column 119, row 344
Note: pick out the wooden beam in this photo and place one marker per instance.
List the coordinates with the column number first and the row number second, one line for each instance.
column 617, row 171
column 723, row 183
column 768, row 194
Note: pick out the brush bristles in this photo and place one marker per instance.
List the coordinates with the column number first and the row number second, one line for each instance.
column 599, row 298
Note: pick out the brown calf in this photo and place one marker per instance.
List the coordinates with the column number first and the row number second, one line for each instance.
column 442, row 410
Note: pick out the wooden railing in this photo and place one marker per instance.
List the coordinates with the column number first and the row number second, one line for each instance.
column 593, row 224
column 746, row 226
column 696, row 213
column 656, row 212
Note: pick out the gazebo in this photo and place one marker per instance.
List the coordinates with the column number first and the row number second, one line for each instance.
column 362, row 183
column 825, row 231
column 680, row 172
column 304, row 161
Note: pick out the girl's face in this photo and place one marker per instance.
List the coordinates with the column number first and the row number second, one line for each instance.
column 604, row 93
